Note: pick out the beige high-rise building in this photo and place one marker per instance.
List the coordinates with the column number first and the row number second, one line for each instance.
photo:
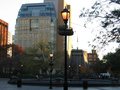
column 39, row 22
column 59, row 6
column 36, row 22
column 40, row 30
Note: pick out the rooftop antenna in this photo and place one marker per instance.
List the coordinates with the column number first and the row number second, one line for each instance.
column 77, row 42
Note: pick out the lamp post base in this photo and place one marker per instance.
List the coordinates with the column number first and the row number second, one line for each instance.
column 50, row 87
column 65, row 86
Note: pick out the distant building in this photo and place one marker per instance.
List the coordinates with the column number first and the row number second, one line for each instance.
column 78, row 57
column 59, row 6
column 36, row 23
column 92, row 57
column 9, row 51
column 9, row 38
column 3, row 39
column 78, row 60
column 69, row 41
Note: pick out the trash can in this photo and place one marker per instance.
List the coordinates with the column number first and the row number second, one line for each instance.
column 19, row 82
column 85, row 84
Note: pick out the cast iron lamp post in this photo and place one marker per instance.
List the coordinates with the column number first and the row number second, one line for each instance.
column 65, row 31
column 19, row 79
column 51, row 69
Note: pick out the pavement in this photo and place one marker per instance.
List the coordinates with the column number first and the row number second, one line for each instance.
column 5, row 86
column 73, row 83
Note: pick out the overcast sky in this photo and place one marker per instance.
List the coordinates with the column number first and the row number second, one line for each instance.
column 9, row 9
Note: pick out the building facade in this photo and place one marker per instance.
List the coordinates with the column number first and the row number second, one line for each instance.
column 3, row 39
column 78, row 58
column 78, row 62
column 92, row 57
column 39, row 22
column 35, row 23
column 9, row 50
column 59, row 6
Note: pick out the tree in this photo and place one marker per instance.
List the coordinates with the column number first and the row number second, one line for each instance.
column 99, row 67
column 113, row 60
column 107, row 14
column 17, row 51
column 36, row 57
column 43, row 49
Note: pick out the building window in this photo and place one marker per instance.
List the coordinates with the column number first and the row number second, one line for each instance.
column 34, row 23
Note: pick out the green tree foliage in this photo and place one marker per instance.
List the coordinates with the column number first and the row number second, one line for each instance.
column 36, row 59
column 99, row 67
column 41, row 51
column 113, row 60
column 106, row 13
column 17, row 51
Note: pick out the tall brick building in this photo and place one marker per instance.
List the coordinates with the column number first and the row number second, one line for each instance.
column 3, row 39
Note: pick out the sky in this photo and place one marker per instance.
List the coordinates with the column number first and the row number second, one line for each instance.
column 9, row 10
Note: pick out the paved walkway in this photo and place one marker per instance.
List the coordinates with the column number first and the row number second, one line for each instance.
column 5, row 86
column 91, row 82
column 14, row 87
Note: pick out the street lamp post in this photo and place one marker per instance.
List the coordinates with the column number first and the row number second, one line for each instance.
column 65, row 31
column 51, row 69
column 19, row 80
column 79, row 71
